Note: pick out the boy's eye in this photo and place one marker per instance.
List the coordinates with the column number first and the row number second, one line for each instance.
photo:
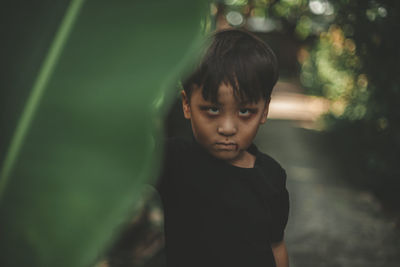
column 210, row 110
column 213, row 110
column 246, row 112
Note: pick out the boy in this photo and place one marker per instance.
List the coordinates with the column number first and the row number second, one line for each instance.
column 225, row 202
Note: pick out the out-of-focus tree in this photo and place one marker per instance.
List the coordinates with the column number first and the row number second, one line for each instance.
column 348, row 51
column 355, row 63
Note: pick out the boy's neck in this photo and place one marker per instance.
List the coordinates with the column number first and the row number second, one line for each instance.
column 246, row 161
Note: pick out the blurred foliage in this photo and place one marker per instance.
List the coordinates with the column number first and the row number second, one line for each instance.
column 141, row 243
column 85, row 139
column 349, row 53
column 356, row 64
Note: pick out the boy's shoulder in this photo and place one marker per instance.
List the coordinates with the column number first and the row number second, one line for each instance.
column 272, row 170
column 265, row 160
column 179, row 149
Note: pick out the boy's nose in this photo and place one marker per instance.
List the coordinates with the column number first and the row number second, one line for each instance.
column 227, row 127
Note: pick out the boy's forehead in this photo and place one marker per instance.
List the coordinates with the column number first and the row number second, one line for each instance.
column 227, row 93
column 225, row 90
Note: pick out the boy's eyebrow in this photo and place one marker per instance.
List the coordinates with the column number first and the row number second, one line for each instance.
column 246, row 102
column 208, row 102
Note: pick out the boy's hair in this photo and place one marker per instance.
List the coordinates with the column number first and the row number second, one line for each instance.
column 238, row 58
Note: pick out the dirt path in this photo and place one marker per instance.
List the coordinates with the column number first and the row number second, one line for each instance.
column 331, row 224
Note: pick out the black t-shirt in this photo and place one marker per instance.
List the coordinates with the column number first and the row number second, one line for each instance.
column 217, row 214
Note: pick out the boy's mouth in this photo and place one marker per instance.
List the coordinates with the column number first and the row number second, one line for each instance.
column 225, row 146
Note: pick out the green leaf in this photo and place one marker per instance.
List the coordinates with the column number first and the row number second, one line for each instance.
column 85, row 144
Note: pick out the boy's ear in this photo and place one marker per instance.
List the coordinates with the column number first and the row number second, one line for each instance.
column 186, row 105
column 265, row 112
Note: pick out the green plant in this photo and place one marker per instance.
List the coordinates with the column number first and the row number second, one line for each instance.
column 87, row 140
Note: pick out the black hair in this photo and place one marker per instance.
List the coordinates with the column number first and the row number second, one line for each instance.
column 240, row 59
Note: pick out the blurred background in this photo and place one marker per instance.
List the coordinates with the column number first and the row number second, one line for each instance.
column 334, row 124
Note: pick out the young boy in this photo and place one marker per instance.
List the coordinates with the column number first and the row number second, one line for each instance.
column 225, row 202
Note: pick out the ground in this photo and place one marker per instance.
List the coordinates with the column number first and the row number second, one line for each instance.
column 331, row 223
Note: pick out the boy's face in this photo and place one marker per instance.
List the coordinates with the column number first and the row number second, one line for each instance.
column 225, row 129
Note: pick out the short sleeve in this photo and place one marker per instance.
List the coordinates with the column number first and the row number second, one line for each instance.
column 274, row 194
column 279, row 208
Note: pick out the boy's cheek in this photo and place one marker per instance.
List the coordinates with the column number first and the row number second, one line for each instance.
column 202, row 136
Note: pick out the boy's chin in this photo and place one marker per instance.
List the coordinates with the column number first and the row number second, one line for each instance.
column 227, row 155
